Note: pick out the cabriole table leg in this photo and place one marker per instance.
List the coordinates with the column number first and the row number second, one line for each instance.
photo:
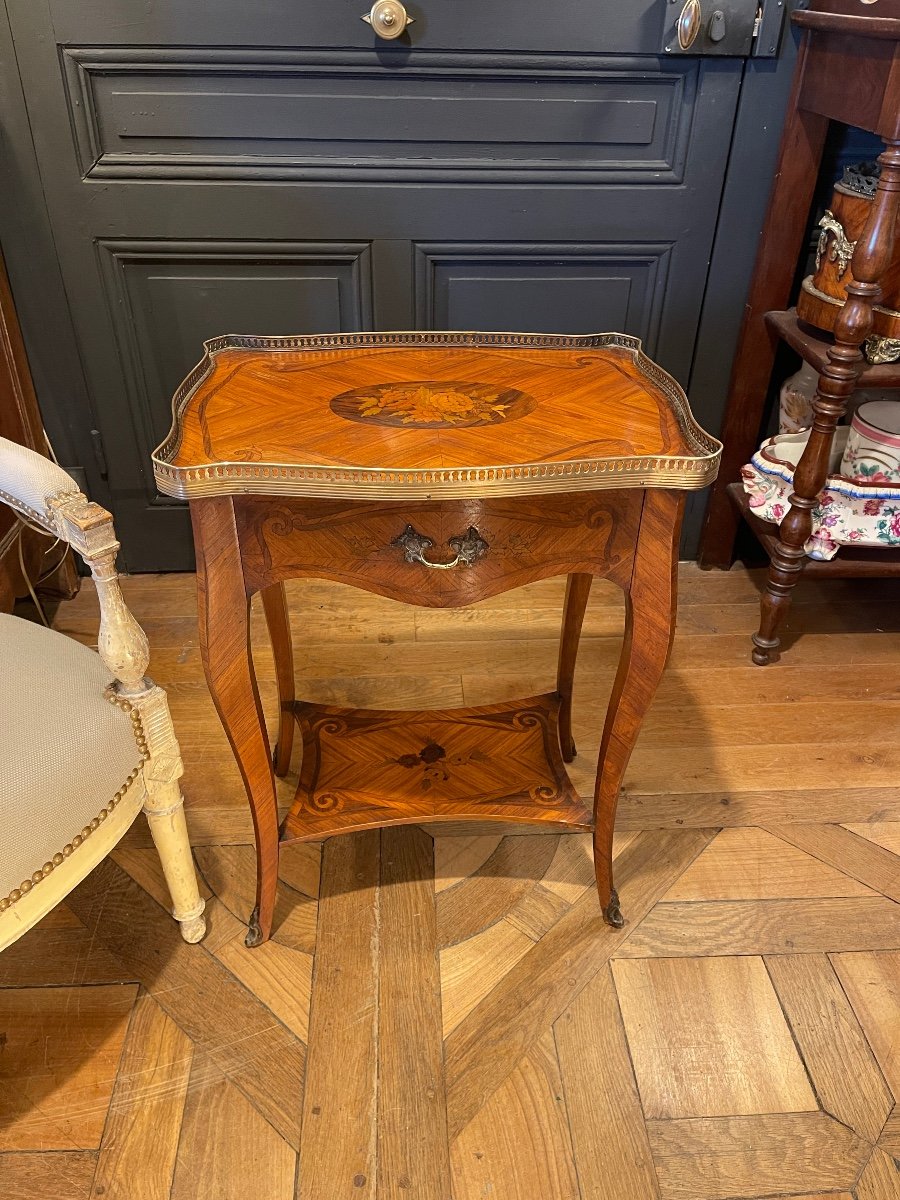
column 650, row 611
column 224, row 621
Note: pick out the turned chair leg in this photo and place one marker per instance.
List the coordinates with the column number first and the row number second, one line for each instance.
column 650, row 609
column 578, row 588
column 275, row 607
column 164, row 807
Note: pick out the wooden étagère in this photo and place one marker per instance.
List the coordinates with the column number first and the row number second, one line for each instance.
column 436, row 469
column 848, row 70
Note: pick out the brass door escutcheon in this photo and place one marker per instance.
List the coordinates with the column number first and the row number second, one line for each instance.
column 388, row 18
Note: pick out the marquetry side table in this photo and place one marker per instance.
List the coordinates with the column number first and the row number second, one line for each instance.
column 436, row 469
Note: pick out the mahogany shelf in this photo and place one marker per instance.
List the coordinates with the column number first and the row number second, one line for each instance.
column 367, row 768
column 812, row 346
column 849, row 562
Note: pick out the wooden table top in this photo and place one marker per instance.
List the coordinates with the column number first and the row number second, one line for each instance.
column 429, row 415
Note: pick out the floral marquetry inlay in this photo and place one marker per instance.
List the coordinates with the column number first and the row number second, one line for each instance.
column 498, row 761
column 480, row 413
column 432, row 404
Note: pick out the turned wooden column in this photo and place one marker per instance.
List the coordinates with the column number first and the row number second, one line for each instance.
column 837, row 381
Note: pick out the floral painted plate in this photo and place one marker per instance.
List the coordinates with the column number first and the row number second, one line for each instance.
column 847, row 513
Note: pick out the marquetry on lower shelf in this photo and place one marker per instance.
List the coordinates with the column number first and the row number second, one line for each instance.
column 367, row 767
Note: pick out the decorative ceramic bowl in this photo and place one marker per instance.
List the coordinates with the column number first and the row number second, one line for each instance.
column 872, row 453
column 848, row 513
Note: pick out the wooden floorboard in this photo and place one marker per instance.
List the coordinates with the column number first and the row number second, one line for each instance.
column 143, row 1126
column 442, row 1012
column 339, row 1124
column 413, row 1150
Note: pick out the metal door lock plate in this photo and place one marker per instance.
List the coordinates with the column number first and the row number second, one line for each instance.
column 722, row 27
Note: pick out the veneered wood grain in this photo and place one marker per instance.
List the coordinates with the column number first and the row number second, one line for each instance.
column 228, row 1150
column 223, row 611
column 140, row 1140
column 465, row 403
column 612, row 1152
column 383, row 767
column 487, row 1045
column 354, row 542
column 413, row 1150
column 776, row 927
column 650, row 610
column 518, row 1146
column 339, row 1123
column 840, row 1063
column 872, row 983
column 258, row 1055
column 708, row 1038
column 722, row 1157
column 753, row 864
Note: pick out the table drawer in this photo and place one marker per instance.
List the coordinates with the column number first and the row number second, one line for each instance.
column 515, row 541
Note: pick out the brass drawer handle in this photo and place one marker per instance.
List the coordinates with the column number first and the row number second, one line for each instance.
column 469, row 546
column 388, row 18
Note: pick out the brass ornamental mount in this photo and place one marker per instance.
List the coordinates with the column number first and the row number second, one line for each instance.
column 388, row 18
column 469, row 546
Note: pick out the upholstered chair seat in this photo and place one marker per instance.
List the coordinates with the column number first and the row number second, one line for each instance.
column 86, row 738
column 66, row 750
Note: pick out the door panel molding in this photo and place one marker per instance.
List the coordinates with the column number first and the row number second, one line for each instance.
column 173, row 114
column 166, row 296
column 453, row 279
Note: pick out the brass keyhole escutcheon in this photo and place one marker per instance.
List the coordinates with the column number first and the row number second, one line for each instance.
column 388, row 18
column 688, row 24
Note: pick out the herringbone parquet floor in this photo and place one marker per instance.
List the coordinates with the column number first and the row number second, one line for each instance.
column 442, row 1012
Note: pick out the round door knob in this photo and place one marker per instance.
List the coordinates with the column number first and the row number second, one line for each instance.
column 388, row 18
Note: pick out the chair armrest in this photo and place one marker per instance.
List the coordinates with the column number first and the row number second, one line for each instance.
column 28, row 481
column 43, row 493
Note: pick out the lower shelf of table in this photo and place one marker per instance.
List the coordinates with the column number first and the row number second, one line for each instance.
column 850, row 562
column 365, row 768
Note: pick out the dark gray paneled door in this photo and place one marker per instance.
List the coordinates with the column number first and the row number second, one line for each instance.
column 272, row 168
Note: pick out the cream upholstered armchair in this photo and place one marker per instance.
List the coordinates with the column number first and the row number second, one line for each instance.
column 86, row 740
